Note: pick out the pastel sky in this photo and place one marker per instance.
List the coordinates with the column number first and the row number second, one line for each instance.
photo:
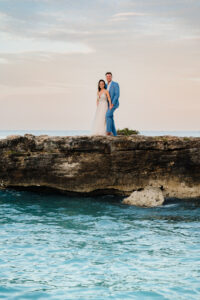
column 53, row 52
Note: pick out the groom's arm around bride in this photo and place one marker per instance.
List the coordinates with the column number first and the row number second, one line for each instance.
column 115, row 100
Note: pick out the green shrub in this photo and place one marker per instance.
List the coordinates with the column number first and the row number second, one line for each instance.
column 127, row 131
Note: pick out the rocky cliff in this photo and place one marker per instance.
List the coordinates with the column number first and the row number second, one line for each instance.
column 112, row 165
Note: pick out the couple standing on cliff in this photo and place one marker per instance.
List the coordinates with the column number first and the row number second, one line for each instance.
column 107, row 102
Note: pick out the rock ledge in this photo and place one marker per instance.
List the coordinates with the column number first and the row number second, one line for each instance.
column 102, row 165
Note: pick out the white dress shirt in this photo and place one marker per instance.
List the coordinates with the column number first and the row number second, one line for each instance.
column 109, row 85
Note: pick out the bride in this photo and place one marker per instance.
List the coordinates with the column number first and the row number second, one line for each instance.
column 103, row 97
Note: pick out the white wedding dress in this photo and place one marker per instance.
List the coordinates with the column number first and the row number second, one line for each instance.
column 99, row 122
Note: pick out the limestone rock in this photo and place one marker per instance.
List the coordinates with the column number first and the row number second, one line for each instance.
column 102, row 164
column 149, row 197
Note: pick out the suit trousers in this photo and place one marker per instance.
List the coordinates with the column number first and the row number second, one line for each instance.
column 110, row 124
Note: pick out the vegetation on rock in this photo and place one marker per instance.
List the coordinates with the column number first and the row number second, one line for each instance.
column 127, row 131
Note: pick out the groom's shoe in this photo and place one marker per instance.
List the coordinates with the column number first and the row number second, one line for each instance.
column 109, row 133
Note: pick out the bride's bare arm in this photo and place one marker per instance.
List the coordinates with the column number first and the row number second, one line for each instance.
column 97, row 98
column 109, row 99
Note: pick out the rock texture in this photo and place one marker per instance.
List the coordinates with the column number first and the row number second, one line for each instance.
column 104, row 165
column 149, row 197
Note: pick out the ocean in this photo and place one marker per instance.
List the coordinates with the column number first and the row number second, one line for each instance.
column 4, row 133
column 56, row 246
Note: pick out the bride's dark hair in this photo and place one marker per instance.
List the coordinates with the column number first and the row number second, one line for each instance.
column 99, row 84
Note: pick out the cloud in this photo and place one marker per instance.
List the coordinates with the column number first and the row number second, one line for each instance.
column 2, row 15
column 83, row 23
column 118, row 19
column 15, row 45
column 191, row 37
column 197, row 79
column 4, row 60
column 128, row 14
column 124, row 16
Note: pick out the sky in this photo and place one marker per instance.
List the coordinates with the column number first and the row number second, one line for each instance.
column 53, row 52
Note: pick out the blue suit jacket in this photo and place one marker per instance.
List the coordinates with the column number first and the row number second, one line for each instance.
column 114, row 93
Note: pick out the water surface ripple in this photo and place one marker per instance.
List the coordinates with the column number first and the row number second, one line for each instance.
column 60, row 247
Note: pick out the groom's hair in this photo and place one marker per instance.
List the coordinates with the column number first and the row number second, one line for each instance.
column 107, row 73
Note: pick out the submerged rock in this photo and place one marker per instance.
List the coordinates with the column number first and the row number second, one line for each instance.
column 102, row 164
column 149, row 197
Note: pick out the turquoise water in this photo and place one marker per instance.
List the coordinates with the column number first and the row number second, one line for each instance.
column 59, row 247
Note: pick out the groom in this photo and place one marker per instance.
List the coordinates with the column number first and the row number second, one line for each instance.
column 113, row 88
